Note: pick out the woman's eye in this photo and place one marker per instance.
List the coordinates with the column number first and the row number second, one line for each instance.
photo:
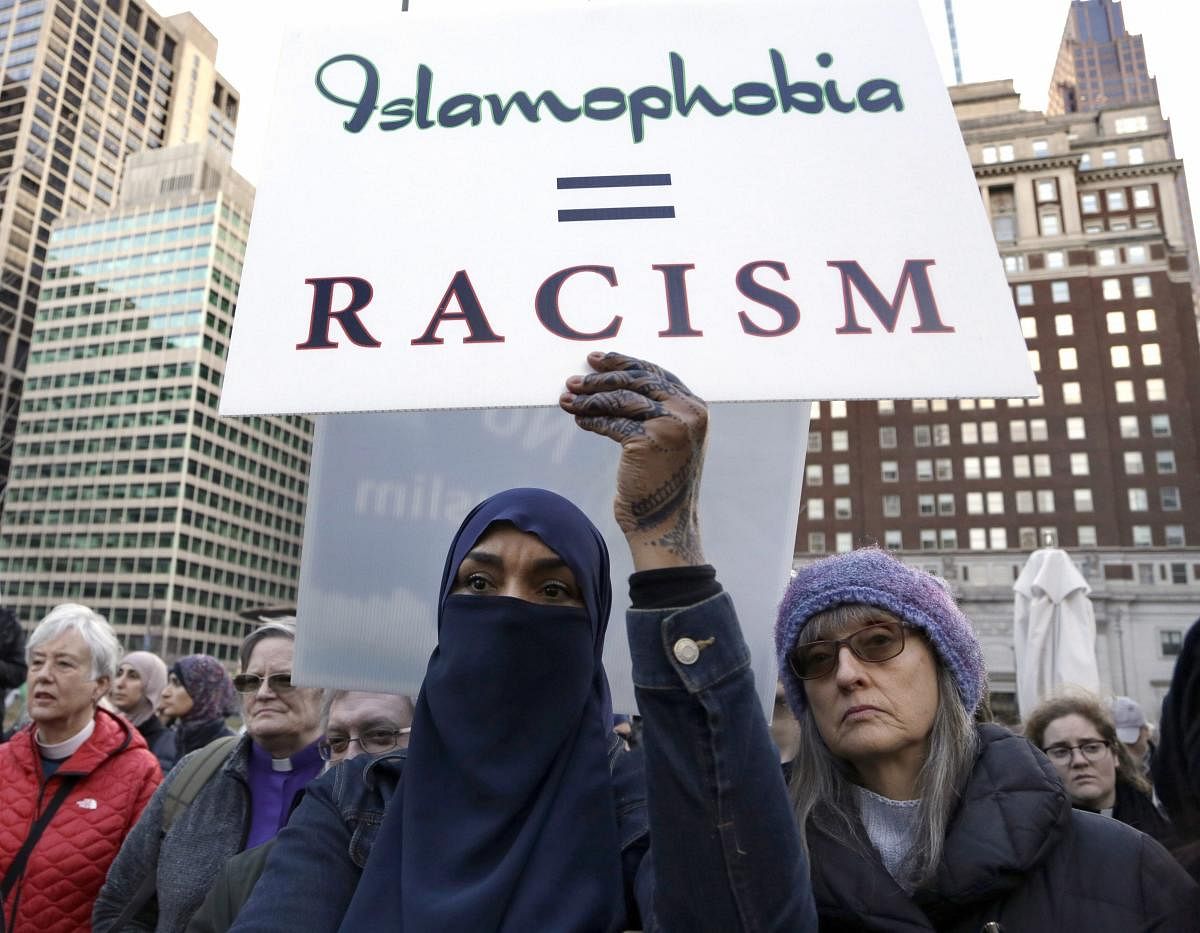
column 555, row 590
column 477, row 583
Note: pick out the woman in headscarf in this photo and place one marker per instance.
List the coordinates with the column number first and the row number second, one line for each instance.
column 136, row 691
column 515, row 806
column 198, row 696
column 1177, row 759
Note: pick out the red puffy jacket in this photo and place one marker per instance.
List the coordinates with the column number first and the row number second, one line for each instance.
column 67, row 866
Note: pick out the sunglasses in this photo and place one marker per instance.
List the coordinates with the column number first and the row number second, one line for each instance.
column 252, row 683
column 879, row 642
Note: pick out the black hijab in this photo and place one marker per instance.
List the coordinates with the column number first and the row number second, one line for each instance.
column 504, row 819
column 1176, row 762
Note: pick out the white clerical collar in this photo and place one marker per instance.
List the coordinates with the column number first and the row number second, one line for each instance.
column 60, row 750
column 281, row 764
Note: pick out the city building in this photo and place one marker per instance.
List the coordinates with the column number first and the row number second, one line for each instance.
column 1105, row 462
column 1100, row 65
column 84, row 83
column 127, row 491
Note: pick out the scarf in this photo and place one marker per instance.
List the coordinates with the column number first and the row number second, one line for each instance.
column 153, row 671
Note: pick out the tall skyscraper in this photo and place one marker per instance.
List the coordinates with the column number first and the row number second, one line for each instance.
column 1106, row 461
column 127, row 491
column 84, row 83
column 1099, row 64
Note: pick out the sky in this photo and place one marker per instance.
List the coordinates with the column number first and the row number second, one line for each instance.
column 997, row 39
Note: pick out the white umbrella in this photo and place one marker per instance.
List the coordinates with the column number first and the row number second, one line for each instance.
column 1054, row 629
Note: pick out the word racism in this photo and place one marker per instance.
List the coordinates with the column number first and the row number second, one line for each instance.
column 776, row 315
column 753, row 98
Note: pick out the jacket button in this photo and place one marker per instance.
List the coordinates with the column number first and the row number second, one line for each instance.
column 686, row 651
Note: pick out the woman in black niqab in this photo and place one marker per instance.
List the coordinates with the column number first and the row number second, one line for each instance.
column 505, row 819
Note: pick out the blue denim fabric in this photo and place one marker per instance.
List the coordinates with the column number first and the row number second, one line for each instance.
column 725, row 849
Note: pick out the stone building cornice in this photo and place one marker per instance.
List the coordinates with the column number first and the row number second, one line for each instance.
column 1027, row 165
column 1146, row 169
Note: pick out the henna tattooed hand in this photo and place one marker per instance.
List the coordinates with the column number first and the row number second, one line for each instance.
column 661, row 427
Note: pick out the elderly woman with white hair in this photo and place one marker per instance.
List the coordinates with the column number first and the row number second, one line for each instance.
column 72, row 783
column 166, row 866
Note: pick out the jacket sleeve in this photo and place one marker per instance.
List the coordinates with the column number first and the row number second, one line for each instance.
column 12, row 652
column 724, row 850
column 138, row 858
column 309, row 877
column 1170, row 898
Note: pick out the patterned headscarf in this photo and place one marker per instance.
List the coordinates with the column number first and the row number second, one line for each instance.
column 208, row 684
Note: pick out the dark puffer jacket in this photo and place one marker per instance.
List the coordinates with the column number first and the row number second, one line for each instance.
column 1017, row 854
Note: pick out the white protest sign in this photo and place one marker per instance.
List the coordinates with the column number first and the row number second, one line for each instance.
column 388, row 491
column 772, row 198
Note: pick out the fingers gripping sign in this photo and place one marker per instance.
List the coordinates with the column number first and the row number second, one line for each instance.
column 661, row 427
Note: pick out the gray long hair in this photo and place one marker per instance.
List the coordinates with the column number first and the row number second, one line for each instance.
column 822, row 787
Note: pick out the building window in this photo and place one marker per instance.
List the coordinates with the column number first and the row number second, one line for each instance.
column 1076, row 429
column 1136, row 124
column 1156, row 390
column 893, row 540
column 991, row 467
column 1142, row 536
column 1051, row 225
column 1135, row 254
column 1024, row 295
column 948, row 539
column 944, row 468
column 1028, row 331
column 891, row 506
column 1170, row 642
column 1115, row 322
column 1037, row 429
column 841, row 508
column 1047, row 189
column 1115, row 198
column 1035, row 360
column 1106, row 256
column 1014, row 262
column 1138, row 500
column 975, row 503
column 1045, row 500
column 1160, row 425
column 1060, row 292
column 1085, row 535
column 1119, row 356
column 816, row 542
column 1041, row 148
column 998, row 539
column 1151, row 354
column 1133, row 463
column 1024, row 501
column 1128, row 425
column 995, row 503
column 1089, row 203
column 1141, row 286
column 1067, row 358
column 1108, row 157
column 1041, row 464
column 945, row 503
column 921, row 435
column 1111, row 289
column 837, row 409
column 1168, row 497
column 1064, row 325
column 1079, row 464
column 889, row 471
column 978, row 539
column 1173, row 536
column 971, row 468
column 839, row 440
column 816, row 510
column 1083, row 500
column 926, row 505
column 814, row 474
column 1017, row 432
column 844, row 542
column 928, row 539
column 887, row 437
column 1164, row 461
column 1147, row 320
column 1137, row 155
column 920, row 404
column 924, row 470
column 941, row 435
column 814, row 411
column 1143, row 196
column 1085, row 161
column 1124, row 391
column 1020, row 464
column 970, row 432
column 841, row 474
column 814, row 442
column 886, row 406
column 1072, row 394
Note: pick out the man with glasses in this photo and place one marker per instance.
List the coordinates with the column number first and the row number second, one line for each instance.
column 354, row 723
column 1077, row 734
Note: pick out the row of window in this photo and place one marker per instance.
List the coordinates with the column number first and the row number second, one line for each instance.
column 996, row 539
column 1040, row 149
column 1115, row 322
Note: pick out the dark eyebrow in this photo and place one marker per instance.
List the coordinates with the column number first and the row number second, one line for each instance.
column 494, row 560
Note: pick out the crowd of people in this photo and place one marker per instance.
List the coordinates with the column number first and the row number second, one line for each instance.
column 508, row 796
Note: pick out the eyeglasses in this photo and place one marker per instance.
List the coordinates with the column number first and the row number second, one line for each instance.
column 375, row 742
column 251, row 683
column 1092, row 751
column 879, row 642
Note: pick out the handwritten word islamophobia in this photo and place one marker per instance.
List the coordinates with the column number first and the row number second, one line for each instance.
column 652, row 102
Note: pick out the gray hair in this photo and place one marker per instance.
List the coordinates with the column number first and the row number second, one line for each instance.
column 821, row 787
column 275, row 629
column 92, row 627
column 332, row 696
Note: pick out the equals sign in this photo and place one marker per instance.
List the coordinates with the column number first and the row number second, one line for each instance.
column 572, row 182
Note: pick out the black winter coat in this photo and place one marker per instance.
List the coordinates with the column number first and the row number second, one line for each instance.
column 1015, row 853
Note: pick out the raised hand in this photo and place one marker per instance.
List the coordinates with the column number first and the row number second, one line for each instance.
column 661, row 427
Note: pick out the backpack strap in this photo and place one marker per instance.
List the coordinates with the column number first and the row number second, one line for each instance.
column 17, row 868
column 193, row 775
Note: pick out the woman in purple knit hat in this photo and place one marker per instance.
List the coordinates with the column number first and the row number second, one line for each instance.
column 913, row 816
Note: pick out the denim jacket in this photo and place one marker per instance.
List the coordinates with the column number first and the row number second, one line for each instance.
column 708, row 792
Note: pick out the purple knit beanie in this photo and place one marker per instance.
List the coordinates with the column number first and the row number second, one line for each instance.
column 873, row 577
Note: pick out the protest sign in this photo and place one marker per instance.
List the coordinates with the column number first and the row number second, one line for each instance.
column 771, row 198
column 388, row 491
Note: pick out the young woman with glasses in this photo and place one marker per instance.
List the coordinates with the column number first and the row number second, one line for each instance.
column 914, row 817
